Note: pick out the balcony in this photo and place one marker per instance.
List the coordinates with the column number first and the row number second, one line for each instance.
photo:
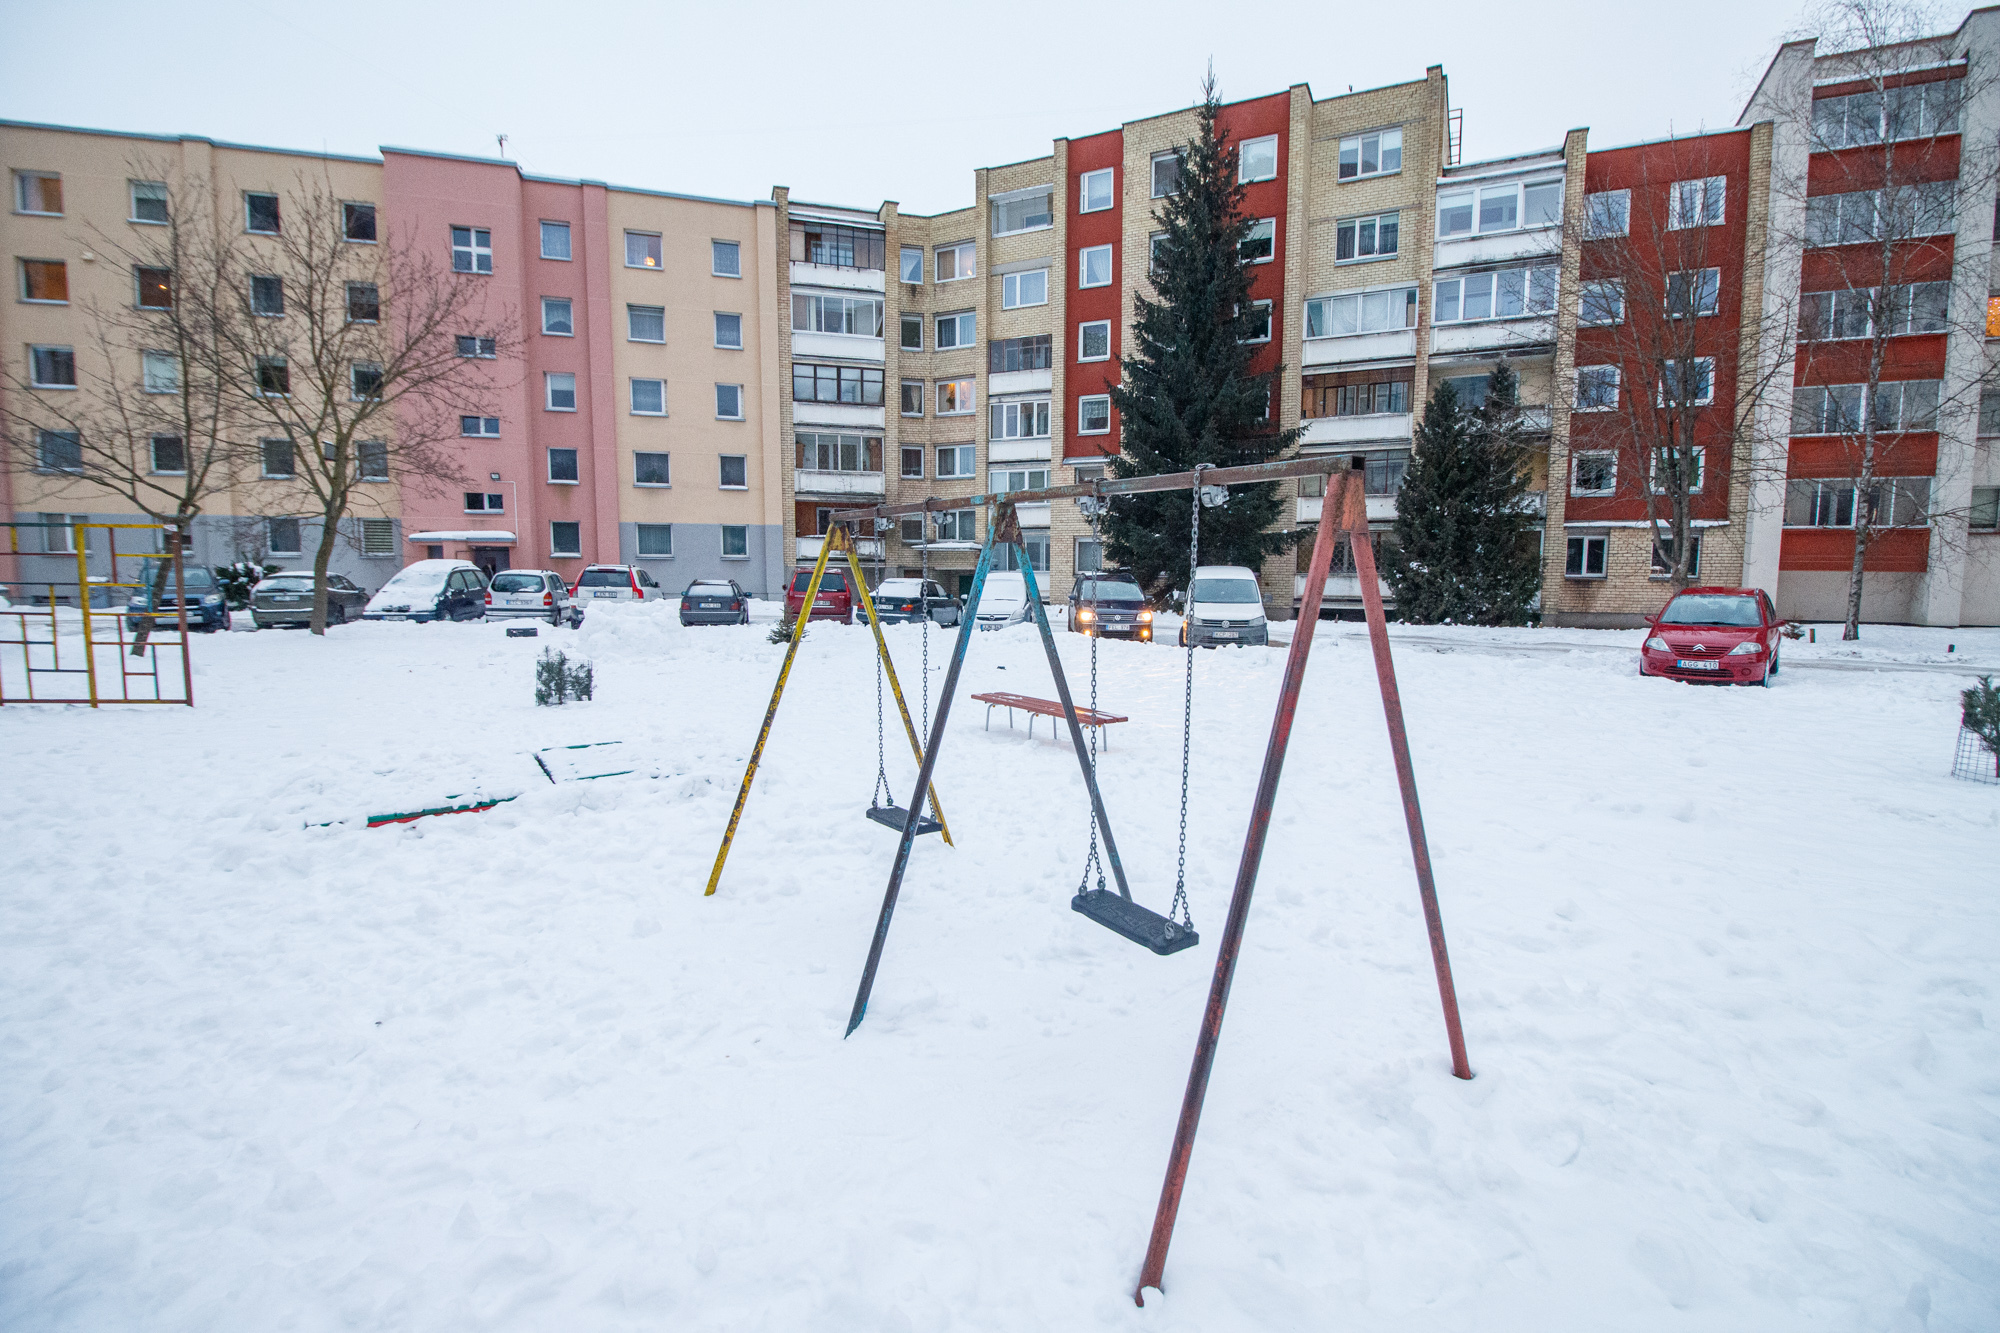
column 1534, row 418
column 808, row 345
column 1018, row 381
column 1354, row 348
column 1494, row 335
column 851, row 415
column 1034, row 450
column 1033, row 515
column 868, row 548
column 1342, row 591
column 817, row 481
column 1381, row 508
column 1356, row 429
column 1531, row 243
column 838, row 276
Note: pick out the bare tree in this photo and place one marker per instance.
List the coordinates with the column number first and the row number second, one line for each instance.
column 360, row 361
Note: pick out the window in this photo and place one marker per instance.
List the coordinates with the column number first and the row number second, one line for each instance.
column 1093, row 193
column 471, row 250
column 59, row 450
column 274, row 376
column 378, row 536
column 38, row 192
column 1455, row 209
column 1023, row 211
column 955, row 262
column 149, row 201
column 954, row 397
column 52, row 367
column 1373, row 154
column 1835, row 409
column 156, row 288
column 955, row 460
column 1036, row 352
column 1093, row 267
column 1985, row 512
column 1593, row 472
column 912, row 336
column 1257, row 159
column 555, row 241
column 1695, row 203
column 735, row 470
column 1470, row 389
column 911, row 531
column 646, row 323
column 1027, row 420
column 1693, row 292
column 1596, row 388
column 1687, row 383
column 910, row 264
column 1665, row 464
column 1989, row 412
column 735, row 541
column 472, row 345
column 562, row 465
column 160, row 372
column 959, row 330
column 277, row 458
column 1260, row 244
column 725, row 259
column 1166, row 173
column 827, row 451
column 1331, row 397
column 1889, row 502
column 282, row 536
column 364, row 303
column 1855, row 312
column 728, row 330
column 652, row 469
column 1089, row 555
column 1585, row 559
column 1156, row 253
column 560, row 388
column 913, row 461
column 267, row 295
column 260, row 213
column 364, row 381
column 1256, row 322
column 1362, row 312
column 860, row 385
column 642, row 249
column 59, row 535
column 656, row 541
column 649, row 398
column 1602, row 301
column 44, row 280
column 956, row 525
column 374, row 460
column 1024, row 289
column 357, row 223
column 557, row 318
column 1606, row 214
column 1035, row 541
column 479, row 502
column 169, row 455
column 1872, row 215
column 1913, row 111
column 1093, row 415
column 729, row 402
column 1366, row 238
column 1093, row 340
column 837, row 246
column 566, row 539
column 913, row 400
column 485, row 428
column 1507, row 293
column 857, row 315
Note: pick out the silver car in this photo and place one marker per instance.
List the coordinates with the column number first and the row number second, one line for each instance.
column 538, row 594
column 618, row 583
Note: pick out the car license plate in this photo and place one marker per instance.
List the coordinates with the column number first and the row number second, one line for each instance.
column 611, row 593
column 1225, row 634
column 1686, row 664
column 711, row 606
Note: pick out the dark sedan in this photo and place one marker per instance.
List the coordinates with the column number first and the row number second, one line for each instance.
column 714, row 602
column 207, row 611
column 286, row 598
column 1110, row 605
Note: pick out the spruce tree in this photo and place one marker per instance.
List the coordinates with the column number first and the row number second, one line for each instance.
column 1464, row 551
column 1188, row 395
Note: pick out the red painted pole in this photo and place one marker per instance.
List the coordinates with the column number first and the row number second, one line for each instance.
column 1338, row 487
column 1356, row 520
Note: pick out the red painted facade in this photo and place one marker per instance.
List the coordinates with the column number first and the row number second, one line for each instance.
column 1084, row 379
column 1255, row 119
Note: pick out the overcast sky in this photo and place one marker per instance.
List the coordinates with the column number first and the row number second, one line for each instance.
column 850, row 102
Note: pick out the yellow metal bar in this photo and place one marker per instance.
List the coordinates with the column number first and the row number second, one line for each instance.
column 889, row 666
column 77, row 537
column 771, row 713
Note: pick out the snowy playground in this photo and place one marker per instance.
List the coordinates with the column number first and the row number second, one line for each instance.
column 1723, row 955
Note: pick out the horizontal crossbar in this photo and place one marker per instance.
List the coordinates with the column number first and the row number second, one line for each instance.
column 1248, row 474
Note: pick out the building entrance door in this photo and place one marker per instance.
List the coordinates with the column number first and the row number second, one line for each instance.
column 492, row 559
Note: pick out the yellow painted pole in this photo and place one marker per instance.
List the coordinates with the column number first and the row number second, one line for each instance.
column 77, row 537
column 770, row 714
column 889, row 666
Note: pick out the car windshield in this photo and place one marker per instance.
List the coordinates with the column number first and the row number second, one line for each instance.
column 1226, row 590
column 710, row 590
column 287, row 583
column 831, row 581
column 893, row 588
column 604, row 578
column 415, row 579
column 1110, row 590
column 198, row 578
column 1712, row 608
column 517, row 583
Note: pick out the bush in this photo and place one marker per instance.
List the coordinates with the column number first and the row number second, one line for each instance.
column 238, row 578
column 1981, row 716
column 557, row 680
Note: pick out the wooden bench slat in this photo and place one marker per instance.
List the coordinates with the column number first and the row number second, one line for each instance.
column 1048, row 708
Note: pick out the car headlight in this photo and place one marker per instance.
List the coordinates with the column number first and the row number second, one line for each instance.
column 1086, row 613
column 1748, row 648
column 1145, row 615
column 213, row 599
column 1656, row 644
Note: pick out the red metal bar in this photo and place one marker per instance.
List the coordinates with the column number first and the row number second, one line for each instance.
column 1339, row 487
column 1356, row 521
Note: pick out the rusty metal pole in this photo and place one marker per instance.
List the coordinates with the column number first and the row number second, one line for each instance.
column 1239, row 902
column 1356, row 520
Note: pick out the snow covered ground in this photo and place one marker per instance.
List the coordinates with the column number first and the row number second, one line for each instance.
column 1724, row 955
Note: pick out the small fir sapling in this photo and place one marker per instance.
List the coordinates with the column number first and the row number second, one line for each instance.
column 1981, row 716
column 557, row 680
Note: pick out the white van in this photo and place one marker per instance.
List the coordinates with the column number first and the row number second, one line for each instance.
column 1224, row 605
column 1004, row 600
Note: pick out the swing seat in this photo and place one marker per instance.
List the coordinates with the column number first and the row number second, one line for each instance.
column 894, row 816
column 1141, row 925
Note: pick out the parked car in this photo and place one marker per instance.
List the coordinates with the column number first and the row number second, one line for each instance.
column 1224, row 605
column 538, row 594
column 286, row 598
column 834, row 602
column 714, row 602
column 1004, row 600
column 906, row 601
column 616, row 583
column 1109, row 605
column 206, row 609
column 1714, row 634
column 431, row 590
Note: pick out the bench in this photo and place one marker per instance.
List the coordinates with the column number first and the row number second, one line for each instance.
column 1034, row 708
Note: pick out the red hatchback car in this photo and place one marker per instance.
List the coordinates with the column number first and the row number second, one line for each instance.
column 835, row 601
column 1725, row 635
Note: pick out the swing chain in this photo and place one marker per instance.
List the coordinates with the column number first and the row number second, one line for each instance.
column 875, row 798
column 1180, row 904
column 1094, row 512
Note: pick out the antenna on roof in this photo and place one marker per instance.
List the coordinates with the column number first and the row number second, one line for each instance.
column 503, row 144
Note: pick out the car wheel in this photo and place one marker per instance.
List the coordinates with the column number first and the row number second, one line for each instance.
column 1774, row 663
column 336, row 614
